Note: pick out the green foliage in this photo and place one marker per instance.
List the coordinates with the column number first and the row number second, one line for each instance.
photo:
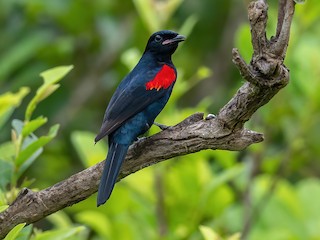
column 8, row 102
column 50, row 77
column 2, row 208
column 33, row 148
column 13, row 234
column 18, row 155
column 206, row 195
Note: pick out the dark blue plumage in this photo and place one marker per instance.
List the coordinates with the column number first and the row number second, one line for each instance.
column 137, row 101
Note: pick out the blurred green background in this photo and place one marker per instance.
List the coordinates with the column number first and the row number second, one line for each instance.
column 269, row 191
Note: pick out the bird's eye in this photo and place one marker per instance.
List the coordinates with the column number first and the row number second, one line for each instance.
column 158, row 38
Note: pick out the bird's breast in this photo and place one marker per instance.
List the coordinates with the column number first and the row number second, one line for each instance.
column 163, row 79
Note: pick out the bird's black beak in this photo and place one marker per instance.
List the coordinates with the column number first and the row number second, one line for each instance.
column 176, row 39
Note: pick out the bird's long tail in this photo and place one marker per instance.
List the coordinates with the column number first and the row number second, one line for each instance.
column 117, row 153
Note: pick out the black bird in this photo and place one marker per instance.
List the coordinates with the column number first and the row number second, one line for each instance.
column 137, row 101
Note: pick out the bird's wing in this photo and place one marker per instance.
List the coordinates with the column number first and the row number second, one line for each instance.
column 130, row 98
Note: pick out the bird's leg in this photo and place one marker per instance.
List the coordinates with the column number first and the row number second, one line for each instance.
column 147, row 127
column 161, row 126
column 210, row 116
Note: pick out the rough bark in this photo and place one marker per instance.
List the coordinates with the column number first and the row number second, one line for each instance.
column 265, row 75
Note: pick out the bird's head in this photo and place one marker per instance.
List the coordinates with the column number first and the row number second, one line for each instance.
column 164, row 43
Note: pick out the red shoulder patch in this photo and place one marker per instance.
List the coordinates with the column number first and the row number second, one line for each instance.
column 164, row 78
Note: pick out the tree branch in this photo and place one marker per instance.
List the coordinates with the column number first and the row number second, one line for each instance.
column 265, row 75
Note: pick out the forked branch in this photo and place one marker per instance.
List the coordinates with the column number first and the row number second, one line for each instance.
column 265, row 75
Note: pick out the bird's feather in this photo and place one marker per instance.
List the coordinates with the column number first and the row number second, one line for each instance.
column 117, row 153
column 132, row 96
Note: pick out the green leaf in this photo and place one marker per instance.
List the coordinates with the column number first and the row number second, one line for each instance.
column 33, row 125
column 300, row 1
column 26, row 156
column 4, row 207
column 17, row 125
column 9, row 101
column 208, row 233
column 25, row 233
column 50, row 77
column 54, row 75
column 89, row 153
column 28, row 141
column 12, row 235
column 60, row 234
column 46, row 92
